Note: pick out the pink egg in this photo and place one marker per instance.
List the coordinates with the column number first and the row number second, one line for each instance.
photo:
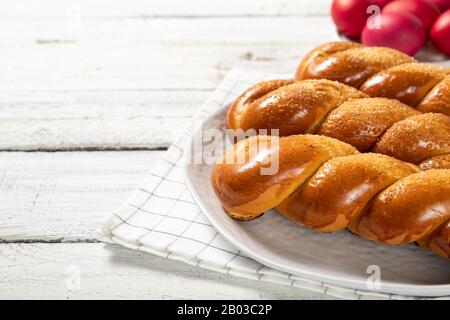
column 350, row 16
column 425, row 10
column 440, row 33
column 442, row 5
column 401, row 31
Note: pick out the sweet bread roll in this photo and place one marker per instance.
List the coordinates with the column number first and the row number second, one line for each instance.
column 438, row 240
column 361, row 122
column 251, row 95
column 380, row 72
column 438, row 99
column 349, row 183
column 298, row 159
column 292, row 108
column 326, row 185
column 408, row 210
column 349, row 63
column 417, row 138
column 408, row 82
column 339, row 111
column 437, row 162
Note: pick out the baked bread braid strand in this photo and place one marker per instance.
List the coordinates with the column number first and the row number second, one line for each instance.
column 327, row 185
column 336, row 110
column 380, row 72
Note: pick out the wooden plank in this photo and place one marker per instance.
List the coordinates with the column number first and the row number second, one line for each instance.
column 49, row 271
column 72, row 52
column 105, row 61
column 61, row 120
column 260, row 31
column 115, row 67
column 52, row 121
column 65, row 196
column 105, row 55
column 103, row 75
column 12, row 9
column 141, row 54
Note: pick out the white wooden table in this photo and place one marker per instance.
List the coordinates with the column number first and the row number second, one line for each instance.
column 91, row 94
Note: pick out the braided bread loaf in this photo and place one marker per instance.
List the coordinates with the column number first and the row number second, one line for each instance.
column 380, row 72
column 326, row 185
column 337, row 110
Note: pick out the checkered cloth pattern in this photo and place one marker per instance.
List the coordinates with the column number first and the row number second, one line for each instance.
column 162, row 218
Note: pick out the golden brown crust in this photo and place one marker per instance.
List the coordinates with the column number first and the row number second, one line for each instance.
column 437, row 162
column 326, row 185
column 321, row 52
column 245, row 192
column 292, row 108
column 408, row 210
column 349, row 63
column 408, row 82
column 416, row 138
column 438, row 99
column 339, row 111
column 341, row 188
column 438, row 241
column 360, row 122
column 380, row 72
column 250, row 95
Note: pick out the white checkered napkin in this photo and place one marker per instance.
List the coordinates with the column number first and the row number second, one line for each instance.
column 162, row 218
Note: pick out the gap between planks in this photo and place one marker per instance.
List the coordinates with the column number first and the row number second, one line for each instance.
column 50, row 241
column 89, row 149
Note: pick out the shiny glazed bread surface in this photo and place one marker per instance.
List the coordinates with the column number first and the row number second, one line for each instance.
column 339, row 111
column 325, row 184
column 380, row 72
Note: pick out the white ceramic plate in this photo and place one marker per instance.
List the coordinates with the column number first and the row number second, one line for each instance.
column 339, row 259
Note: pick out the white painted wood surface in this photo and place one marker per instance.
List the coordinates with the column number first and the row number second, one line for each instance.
column 104, row 119
column 98, row 75
column 64, row 196
column 50, row 270
column 163, row 8
column 67, row 78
